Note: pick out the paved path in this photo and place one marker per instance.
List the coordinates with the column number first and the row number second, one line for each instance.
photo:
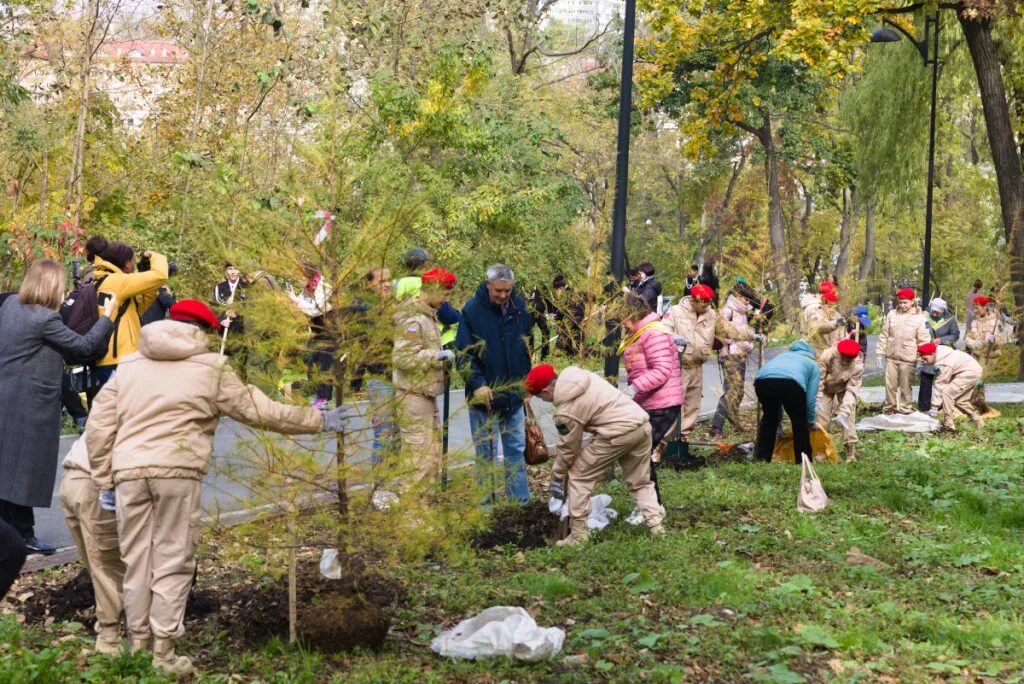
column 224, row 489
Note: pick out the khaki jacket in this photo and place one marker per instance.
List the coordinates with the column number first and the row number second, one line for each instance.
column 982, row 327
column 417, row 344
column 840, row 376
column 78, row 457
column 902, row 334
column 157, row 415
column 952, row 363
column 820, row 327
column 700, row 331
column 138, row 290
column 586, row 402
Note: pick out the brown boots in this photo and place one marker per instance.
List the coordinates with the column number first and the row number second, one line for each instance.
column 578, row 533
column 165, row 658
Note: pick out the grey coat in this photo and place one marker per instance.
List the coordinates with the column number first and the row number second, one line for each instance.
column 33, row 340
column 947, row 332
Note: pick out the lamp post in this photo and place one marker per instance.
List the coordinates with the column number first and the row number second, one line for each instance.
column 929, row 50
column 618, row 265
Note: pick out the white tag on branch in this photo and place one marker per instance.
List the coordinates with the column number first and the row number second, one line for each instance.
column 329, row 566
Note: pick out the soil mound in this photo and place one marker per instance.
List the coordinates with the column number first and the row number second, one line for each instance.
column 526, row 527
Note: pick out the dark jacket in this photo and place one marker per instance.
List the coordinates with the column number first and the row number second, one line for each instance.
column 32, row 342
column 945, row 330
column 650, row 291
column 157, row 311
column 494, row 348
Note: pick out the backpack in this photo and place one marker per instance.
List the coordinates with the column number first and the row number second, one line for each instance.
column 80, row 311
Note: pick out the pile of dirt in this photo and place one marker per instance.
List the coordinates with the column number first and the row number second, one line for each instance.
column 332, row 615
column 526, row 527
column 72, row 601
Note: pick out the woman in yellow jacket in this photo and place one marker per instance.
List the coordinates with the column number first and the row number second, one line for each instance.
column 115, row 273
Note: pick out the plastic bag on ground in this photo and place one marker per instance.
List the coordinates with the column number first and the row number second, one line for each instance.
column 821, row 444
column 601, row 511
column 329, row 566
column 500, row 631
column 903, row 422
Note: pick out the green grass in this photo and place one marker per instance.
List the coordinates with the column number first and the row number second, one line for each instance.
column 743, row 588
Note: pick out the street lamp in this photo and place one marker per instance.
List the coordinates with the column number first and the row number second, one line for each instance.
column 618, row 265
column 929, row 50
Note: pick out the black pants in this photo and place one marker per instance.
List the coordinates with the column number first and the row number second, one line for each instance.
column 776, row 394
column 69, row 398
column 319, row 363
column 662, row 421
column 21, row 518
column 12, row 556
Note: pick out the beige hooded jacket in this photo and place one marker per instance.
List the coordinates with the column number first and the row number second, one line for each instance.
column 700, row 331
column 157, row 415
column 902, row 334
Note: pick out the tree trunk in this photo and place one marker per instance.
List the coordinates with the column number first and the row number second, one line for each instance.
column 1009, row 174
column 868, row 261
column 75, row 189
column 846, row 229
column 719, row 215
column 781, row 265
column 44, row 190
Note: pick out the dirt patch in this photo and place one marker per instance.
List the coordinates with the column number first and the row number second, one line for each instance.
column 526, row 527
column 333, row 615
column 72, row 600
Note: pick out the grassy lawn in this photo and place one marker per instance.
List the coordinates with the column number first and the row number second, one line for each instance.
column 915, row 573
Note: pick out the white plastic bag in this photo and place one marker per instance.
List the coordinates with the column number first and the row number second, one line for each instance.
column 903, row 422
column 500, row 631
column 329, row 566
column 601, row 511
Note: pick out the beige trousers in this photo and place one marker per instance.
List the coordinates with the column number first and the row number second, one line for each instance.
column 632, row 451
column 898, row 375
column 956, row 395
column 94, row 532
column 158, row 522
column 420, row 427
column 830, row 406
column 693, row 387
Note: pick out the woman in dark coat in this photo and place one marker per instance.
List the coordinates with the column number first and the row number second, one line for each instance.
column 33, row 340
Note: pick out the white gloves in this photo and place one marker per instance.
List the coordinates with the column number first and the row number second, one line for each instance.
column 759, row 337
column 991, row 338
column 108, row 501
column 334, row 420
column 933, row 412
column 445, row 355
column 680, row 341
column 630, row 391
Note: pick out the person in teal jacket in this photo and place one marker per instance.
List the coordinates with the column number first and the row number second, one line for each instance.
column 788, row 382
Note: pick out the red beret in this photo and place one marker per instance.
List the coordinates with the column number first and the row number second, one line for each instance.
column 702, row 292
column 982, row 300
column 848, row 348
column 439, row 276
column 539, row 377
column 830, row 296
column 906, row 293
column 927, row 348
column 826, row 286
column 194, row 311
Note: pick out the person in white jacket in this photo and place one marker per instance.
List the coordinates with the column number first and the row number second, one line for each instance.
column 314, row 300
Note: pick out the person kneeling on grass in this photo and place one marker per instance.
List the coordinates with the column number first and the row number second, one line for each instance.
column 585, row 402
column 957, row 379
column 93, row 526
column 149, row 439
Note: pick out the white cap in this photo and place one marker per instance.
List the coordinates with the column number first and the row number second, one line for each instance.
column 938, row 303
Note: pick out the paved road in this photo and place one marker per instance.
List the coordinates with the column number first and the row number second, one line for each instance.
column 224, row 489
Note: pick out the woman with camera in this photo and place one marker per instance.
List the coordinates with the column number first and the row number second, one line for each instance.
column 134, row 285
column 33, row 340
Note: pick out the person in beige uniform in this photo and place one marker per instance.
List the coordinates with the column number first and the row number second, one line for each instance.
column 418, row 374
column 842, row 373
column 93, row 527
column 149, row 438
column 903, row 330
column 958, row 377
column 986, row 337
column 823, row 326
column 586, row 402
column 695, row 325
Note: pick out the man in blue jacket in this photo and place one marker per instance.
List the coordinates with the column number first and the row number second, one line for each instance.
column 790, row 382
column 492, row 341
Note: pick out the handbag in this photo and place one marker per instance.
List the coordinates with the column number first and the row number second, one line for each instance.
column 812, row 496
column 536, row 448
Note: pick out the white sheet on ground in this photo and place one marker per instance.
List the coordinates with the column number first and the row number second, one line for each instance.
column 500, row 631
column 601, row 511
column 909, row 422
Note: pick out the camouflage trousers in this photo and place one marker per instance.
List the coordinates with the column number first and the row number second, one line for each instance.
column 734, row 370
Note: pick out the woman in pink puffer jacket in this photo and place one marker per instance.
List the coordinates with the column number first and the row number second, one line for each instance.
column 652, row 366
